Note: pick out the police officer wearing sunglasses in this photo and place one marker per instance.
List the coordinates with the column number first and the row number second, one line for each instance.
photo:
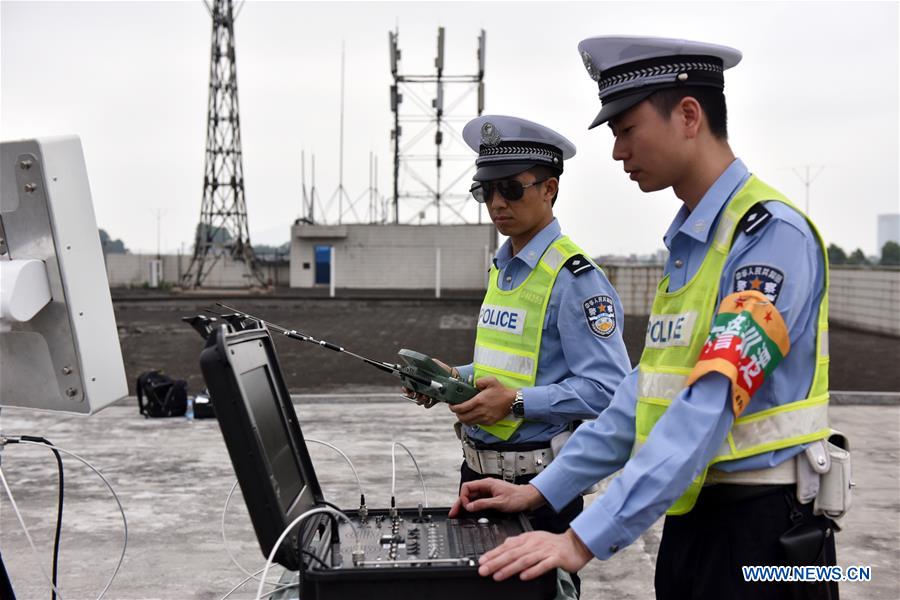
column 549, row 351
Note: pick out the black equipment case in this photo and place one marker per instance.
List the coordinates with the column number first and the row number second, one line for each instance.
column 279, row 483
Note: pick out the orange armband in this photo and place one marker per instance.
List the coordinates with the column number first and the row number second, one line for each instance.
column 746, row 342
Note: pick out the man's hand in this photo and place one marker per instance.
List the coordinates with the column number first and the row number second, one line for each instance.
column 422, row 399
column 496, row 494
column 533, row 554
column 487, row 407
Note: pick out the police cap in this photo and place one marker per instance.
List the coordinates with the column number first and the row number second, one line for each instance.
column 629, row 69
column 507, row 146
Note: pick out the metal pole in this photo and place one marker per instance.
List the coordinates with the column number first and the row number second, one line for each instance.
column 807, row 189
column 397, row 157
column 437, row 272
column 304, row 209
column 371, row 193
column 807, row 182
column 341, row 161
column 158, row 219
column 438, row 113
column 312, row 192
column 375, row 191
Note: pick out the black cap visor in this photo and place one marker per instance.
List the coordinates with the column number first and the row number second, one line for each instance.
column 500, row 171
column 614, row 108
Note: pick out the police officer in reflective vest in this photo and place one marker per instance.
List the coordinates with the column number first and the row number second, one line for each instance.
column 721, row 418
column 549, row 350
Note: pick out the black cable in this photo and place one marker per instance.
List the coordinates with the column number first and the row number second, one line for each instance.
column 301, row 572
column 317, row 559
column 59, row 512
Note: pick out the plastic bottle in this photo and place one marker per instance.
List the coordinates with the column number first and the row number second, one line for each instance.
column 189, row 413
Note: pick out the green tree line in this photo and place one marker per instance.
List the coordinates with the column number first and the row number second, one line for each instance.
column 890, row 256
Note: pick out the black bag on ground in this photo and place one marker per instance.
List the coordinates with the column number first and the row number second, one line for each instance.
column 165, row 397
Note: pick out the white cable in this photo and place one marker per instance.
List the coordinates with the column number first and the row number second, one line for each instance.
column 281, row 589
column 267, row 594
column 393, row 471
column 294, row 523
column 225, row 543
column 415, row 464
column 346, row 458
column 115, row 496
column 231, row 493
column 28, row 535
column 243, row 581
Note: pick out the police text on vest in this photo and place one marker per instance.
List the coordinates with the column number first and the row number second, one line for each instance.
column 670, row 330
column 502, row 318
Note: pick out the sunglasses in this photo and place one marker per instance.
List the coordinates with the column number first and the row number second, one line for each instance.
column 510, row 189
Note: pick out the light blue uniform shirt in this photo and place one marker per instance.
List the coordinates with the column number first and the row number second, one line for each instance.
column 578, row 371
column 687, row 436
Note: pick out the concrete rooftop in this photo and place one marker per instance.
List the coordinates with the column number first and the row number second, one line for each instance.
column 173, row 476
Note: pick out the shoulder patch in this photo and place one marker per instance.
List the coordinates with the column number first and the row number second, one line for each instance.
column 600, row 313
column 759, row 278
column 754, row 219
column 578, row 265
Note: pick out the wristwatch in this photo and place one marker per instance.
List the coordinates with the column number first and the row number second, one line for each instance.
column 518, row 405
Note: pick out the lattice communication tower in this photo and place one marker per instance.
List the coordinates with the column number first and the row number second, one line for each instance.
column 433, row 195
column 222, row 231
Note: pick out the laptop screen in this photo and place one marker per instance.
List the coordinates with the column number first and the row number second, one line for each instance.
column 271, row 428
column 262, row 434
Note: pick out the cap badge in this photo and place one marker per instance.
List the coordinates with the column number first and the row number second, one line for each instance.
column 489, row 135
column 592, row 70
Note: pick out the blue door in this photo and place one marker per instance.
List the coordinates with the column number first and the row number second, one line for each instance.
column 323, row 264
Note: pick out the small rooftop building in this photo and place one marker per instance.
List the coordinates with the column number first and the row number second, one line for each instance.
column 361, row 256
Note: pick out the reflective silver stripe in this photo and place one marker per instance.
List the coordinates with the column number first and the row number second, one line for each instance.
column 637, row 446
column 504, row 361
column 660, row 385
column 748, row 432
column 782, row 425
column 723, row 233
column 823, row 346
column 782, row 474
column 552, row 257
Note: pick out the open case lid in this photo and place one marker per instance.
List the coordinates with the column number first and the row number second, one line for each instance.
column 263, row 436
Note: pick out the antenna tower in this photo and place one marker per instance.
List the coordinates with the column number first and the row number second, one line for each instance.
column 437, row 196
column 222, row 230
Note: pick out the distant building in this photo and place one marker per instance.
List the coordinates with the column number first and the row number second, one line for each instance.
column 392, row 256
column 888, row 230
column 657, row 258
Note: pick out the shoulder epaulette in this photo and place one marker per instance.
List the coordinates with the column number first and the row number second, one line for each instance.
column 578, row 265
column 754, row 219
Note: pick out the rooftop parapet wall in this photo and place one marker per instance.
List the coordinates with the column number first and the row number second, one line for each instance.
column 867, row 299
column 133, row 270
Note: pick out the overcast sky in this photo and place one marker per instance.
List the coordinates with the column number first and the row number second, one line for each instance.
column 818, row 87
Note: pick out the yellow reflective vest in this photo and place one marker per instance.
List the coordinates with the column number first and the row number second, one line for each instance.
column 679, row 325
column 510, row 324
